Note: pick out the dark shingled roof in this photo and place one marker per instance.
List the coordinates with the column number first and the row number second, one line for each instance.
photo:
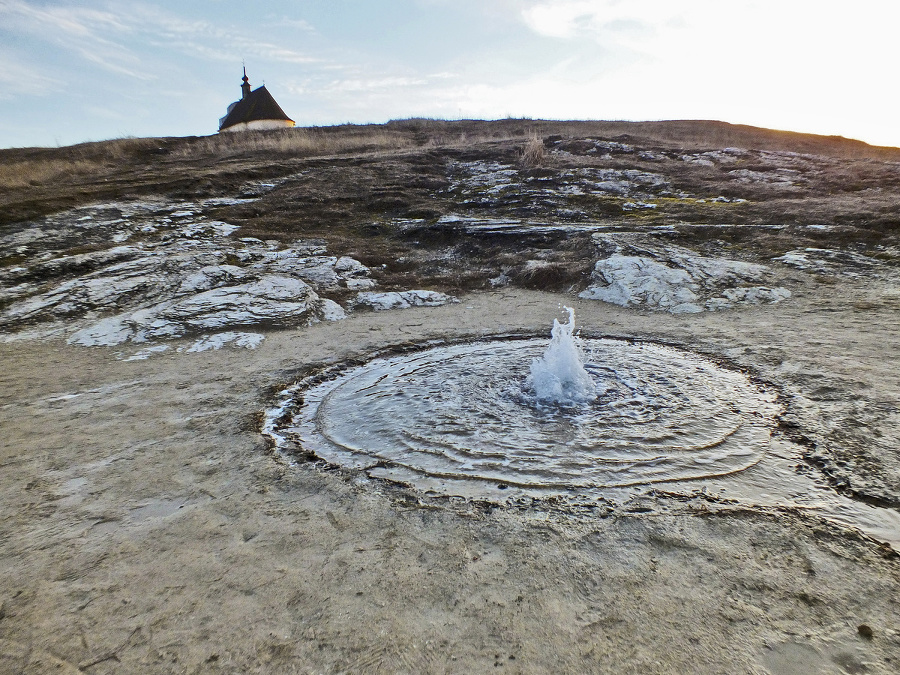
column 257, row 105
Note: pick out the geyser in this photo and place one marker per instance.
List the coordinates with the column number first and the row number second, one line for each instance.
column 559, row 375
column 467, row 418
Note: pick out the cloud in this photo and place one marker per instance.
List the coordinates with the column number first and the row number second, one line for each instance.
column 18, row 77
column 557, row 19
column 297, row 24
column 114, row 38
column 60, row 20
column 351, row 83
column 87, row 32
column 369, row 84
column 574, row 18
column 218, row 42
column 762, row 47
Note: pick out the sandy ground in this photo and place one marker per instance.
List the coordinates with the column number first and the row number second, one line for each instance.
column 145, row 526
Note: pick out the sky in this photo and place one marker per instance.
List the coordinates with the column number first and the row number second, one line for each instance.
column 99, row 69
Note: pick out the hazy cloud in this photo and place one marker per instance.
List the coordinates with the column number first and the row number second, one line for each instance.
column 17, row 78
column 218, row 42
column 110, row 38
column 57, row 20
column 87, row 32
column 391, row 84
column 574, row 18
column 297, row 24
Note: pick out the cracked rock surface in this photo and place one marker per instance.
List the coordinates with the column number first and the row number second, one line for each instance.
column 181, row 274
column 649, row 274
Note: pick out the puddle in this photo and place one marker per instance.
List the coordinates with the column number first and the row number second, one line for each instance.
column 461, row 413
column 460, row 420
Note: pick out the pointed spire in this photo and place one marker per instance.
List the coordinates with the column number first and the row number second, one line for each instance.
column 245, row 88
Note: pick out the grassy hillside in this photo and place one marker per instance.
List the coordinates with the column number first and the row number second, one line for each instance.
column 384, row 193
column 35, row 181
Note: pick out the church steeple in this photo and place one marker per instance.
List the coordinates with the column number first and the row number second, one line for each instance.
column 256, row 110
column 245, row 88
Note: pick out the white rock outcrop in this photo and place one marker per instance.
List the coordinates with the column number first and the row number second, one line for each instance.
column 181, row 275
column 186, row 275
column 402, row 300
column 219, row 340
column 674, row 279
column 637, row 281
column 272, row 301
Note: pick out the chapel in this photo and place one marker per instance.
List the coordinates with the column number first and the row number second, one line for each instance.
column 256, row 111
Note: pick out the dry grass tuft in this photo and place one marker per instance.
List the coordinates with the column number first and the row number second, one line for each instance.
column 534, row 153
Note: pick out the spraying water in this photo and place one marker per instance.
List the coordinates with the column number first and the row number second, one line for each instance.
column 559, row 377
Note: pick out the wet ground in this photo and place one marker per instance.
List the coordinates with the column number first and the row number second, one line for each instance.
column 148, row 525
column 442, row 417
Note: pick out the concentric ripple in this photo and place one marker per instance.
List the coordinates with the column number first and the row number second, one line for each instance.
column 463, row 412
